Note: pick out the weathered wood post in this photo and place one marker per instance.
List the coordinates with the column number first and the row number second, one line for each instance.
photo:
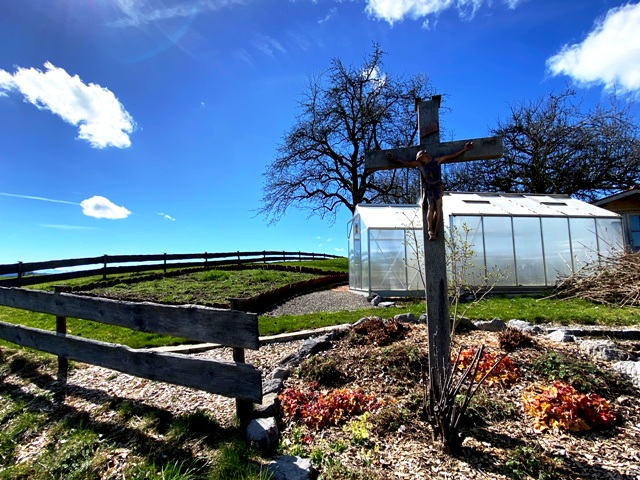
column 244, row 408
column 436, row 289
column 104, row 266
column 61, row 329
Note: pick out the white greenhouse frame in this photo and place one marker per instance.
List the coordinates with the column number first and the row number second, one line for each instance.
column 532, row 241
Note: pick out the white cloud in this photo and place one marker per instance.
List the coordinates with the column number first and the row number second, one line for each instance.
column 136, row 13
column 610, row 55
column 100, row 117
column 329, row 16
column 167, row 217
column 100, row 207
column 268, row 45
column 66, row 227
column 397, row 10
column 42, row 199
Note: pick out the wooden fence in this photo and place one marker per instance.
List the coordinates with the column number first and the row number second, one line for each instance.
column 233, row 328
column 23, row 274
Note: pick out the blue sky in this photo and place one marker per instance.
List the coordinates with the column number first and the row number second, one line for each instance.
column 131, row 126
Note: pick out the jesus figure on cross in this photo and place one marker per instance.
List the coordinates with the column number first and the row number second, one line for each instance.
column 432, row 185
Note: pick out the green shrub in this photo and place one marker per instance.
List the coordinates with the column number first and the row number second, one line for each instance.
column 583, row 376
column 529, row 462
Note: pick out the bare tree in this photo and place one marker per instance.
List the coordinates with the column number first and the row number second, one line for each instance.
column 345, row 111
column 551, row 146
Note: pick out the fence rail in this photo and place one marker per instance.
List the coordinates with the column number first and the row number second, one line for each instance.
column 22, row 274
column 228, row 327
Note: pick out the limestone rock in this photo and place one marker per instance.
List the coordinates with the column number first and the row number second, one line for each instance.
column 406, row 318
column 526, row 327
column 287, row 467
column 386, row 304
column 263, row 434
column 495, row 325
column 463, row 324
column 309, row 347
column 605, row 350
column 371, row 296
column 268, row 407
column 629, row 369
column 561, row 336
column 272, row 385
column 280, row 373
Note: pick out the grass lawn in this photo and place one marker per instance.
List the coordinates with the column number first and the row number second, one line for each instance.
column 217, row 286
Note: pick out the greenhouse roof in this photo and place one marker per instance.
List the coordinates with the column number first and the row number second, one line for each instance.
column 456, row 203
column 390, row 216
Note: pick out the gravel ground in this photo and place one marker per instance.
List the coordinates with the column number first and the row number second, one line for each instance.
column 333, row 300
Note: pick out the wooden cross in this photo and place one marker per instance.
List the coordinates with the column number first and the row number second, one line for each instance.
column 436, row 292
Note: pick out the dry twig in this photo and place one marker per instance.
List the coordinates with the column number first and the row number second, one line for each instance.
column 608, row 280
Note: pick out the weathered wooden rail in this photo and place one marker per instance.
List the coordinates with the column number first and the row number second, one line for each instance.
column 22, row 274
column 233, row 328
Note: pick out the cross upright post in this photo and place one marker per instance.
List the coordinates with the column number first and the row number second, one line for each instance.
column 436, row 292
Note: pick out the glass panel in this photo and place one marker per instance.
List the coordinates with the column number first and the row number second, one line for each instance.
column 634, row 223
column 557, row 252
column 364, row 256
column 584, row 244
column 498, row 246
column 355, row 265
column 466, row 233
column 414, row 244
column 388, row 270
column 528, row 245
column 609, row 236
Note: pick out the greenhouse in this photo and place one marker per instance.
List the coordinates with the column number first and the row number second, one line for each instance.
column 515, row 241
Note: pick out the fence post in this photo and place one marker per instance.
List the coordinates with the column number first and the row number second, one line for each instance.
column 19, row 273
column 244, row 408
column 104, row 267
column 165, row 262
column 61, row 329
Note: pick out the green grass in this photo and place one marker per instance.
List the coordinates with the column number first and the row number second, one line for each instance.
column 545, row 310
column 294, row 323
column 217, row 286
column 331, row 264
column 212, row 287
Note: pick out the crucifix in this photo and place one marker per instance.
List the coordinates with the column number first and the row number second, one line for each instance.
column 427, row 157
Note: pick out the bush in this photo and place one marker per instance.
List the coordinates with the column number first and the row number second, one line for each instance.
column 583, row 376
column 560, row 406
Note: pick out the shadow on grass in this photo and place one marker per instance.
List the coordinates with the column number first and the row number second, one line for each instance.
column 168, row 436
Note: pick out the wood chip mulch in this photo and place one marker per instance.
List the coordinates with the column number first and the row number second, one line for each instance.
column 406, row 450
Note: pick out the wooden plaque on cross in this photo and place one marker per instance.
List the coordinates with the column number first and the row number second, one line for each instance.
column 436, row 291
